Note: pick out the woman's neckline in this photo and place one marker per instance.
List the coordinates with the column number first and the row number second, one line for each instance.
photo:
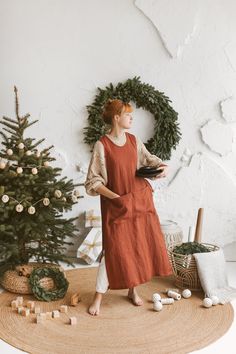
column 115, row 143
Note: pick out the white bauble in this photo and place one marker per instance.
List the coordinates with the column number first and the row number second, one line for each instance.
column 31, row 210
column 157, row 306
column 58, row 193
column 46, row 163
column 215, row 300
column 74, row 199
column 28, row 152
column 21, row 146
column 46, row 201
column 156, row 297
column 34, row 171
column 207, row 302
column 9, row 152
column 38, row 154
column 2, row 165
column 186, row 293
column 19, row 208
column 64, row 199
column 5, row 198
column 77, row 193
column 19, row 170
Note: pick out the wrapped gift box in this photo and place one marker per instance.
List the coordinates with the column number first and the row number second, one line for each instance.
column 91, row 248
column 92, row 218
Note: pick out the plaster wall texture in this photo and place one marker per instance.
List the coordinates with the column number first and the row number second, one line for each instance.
column 58, row 52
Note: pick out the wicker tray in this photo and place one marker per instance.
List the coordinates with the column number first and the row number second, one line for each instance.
column 19, row 284
column 185, row 268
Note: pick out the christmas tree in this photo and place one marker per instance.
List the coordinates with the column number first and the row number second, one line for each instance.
column 32, row 198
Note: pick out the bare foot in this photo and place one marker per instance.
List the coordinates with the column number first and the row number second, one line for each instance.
column 133, row 295
column 95, row 306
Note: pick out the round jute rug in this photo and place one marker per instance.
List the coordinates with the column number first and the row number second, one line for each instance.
column 121, row 327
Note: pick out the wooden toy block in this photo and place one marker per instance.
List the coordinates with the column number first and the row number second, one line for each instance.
column 19, row 299
column 64, row 308
column 48, row 315
column 41, row 317
column 30, row 304
column 25, row 312
column 75, row 298
column 14, row 304
column 73, row 320
column 36, row 309
column 55, row 314
column 20, row 309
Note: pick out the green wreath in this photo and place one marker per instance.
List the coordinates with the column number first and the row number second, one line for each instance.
column 166, row 128
column 59, row 279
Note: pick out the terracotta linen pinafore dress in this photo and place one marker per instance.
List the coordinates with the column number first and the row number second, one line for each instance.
column 132, row 240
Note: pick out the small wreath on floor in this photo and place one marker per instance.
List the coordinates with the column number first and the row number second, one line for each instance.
column 166, row 128
column 61, row 284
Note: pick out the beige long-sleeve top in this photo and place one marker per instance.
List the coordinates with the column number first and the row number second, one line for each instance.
column 97, row 173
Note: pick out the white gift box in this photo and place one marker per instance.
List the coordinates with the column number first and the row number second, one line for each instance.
column 93, row 218
column 91, row 248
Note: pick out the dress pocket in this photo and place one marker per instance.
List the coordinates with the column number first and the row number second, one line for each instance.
column 143, row 201
column 120, row 208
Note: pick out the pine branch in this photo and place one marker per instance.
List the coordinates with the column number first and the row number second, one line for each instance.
column 16, row 104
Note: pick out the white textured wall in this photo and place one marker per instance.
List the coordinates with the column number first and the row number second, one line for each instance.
column 57, row 52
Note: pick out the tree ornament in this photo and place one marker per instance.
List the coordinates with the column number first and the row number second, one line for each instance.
column 58, row 277
column 34, row 171
column 2, row 165
column 19, row 170
column 19, row 208
column 5, row 198
column 64, row 199
column 28, row 152
column 31, row 210
column 9, row 152
column 46, row 163
column 38, row 154
column 57, row 193
column 46, row 201
column 21, row 146
column 74, row 199
column 76, row 193
column 166, row 132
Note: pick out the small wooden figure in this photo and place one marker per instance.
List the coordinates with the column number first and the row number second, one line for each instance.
column 36, row 309
column 75, row 298
column 20, row 309
column 41, row 317
column 19, row 299
column 25, row 312
column 48, row 315
column 30, row 305
column 73, row 320
column 64, row 308
column 55, row 314
column 14, row 304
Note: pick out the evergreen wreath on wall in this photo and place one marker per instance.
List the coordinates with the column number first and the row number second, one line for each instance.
column 166, row 128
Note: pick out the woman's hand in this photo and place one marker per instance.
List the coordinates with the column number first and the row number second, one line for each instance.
column 163, row 173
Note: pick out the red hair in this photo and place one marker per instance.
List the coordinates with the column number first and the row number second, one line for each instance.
column 113, row 107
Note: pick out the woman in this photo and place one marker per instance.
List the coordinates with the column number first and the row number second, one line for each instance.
column 133, row 247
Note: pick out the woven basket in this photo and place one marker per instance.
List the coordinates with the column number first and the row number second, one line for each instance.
column 172, row 232
column 19, row 284
column 185, row 268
